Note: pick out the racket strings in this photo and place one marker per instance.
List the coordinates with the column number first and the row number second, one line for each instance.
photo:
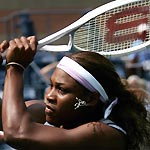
column 115, row 29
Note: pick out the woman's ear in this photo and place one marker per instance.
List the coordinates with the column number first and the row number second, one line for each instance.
column 93, row 98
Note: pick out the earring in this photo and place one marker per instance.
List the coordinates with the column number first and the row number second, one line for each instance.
column 79, row 103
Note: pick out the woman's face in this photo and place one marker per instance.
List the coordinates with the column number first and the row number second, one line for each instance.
column 61, row 97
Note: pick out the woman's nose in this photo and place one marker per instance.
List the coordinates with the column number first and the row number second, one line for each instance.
column 51, row 95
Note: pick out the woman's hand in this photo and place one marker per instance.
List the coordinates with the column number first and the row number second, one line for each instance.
column 3, row 46
column 22, row 50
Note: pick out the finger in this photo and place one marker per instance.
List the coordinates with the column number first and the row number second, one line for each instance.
column 25, row 42
column 12, row 43
column 30, row 37
column 33, row 42
column 12, row 46
column 3, row 46
column 18, row 43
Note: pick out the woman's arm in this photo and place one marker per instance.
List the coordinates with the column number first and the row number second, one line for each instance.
column 13, row 86
column 35, row 107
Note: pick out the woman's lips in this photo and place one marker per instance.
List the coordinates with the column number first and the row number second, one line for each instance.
column 50, row 108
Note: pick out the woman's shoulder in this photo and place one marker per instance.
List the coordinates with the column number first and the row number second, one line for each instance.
column 113, row 125
column 100, row 135
column 36, row 108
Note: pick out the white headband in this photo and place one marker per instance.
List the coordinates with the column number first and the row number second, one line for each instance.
column 81, row 75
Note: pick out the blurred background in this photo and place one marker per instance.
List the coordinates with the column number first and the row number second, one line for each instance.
column 44, row 17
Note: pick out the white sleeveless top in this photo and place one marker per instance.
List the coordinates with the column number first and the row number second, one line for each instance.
column 113, row 125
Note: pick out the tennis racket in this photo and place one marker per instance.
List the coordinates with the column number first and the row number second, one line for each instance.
column 109, row 29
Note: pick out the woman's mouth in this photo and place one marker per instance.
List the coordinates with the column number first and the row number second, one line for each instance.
column 49, row 109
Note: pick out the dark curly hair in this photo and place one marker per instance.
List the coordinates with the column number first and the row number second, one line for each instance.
column 128, row 113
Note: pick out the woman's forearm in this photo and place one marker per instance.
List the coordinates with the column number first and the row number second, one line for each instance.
column 13, row 99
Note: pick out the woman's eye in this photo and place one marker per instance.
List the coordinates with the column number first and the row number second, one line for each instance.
column 62, row 90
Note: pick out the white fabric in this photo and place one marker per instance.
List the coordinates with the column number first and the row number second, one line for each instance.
column 113, row 125
column 48, row 124
column 109, row 108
